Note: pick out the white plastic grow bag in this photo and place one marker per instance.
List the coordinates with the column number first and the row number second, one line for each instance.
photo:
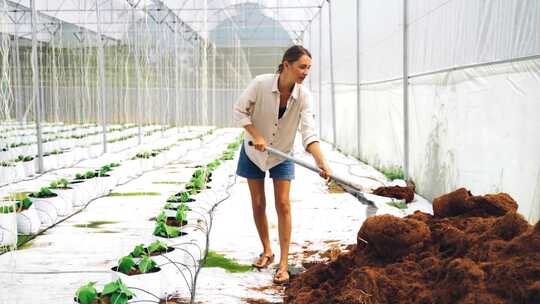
column 156, row 282
column 81, row 193
column 48, row 209
column 29, row 167
column 8, row 228
column 50, row 162
column 28, row 221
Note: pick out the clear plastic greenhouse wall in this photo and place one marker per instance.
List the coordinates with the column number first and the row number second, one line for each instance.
column 120, row 143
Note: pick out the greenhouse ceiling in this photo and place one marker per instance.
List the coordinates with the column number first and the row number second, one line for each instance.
column 68, row 19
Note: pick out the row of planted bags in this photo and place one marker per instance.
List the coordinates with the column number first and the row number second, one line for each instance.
column 46, row 211
column 70, row 151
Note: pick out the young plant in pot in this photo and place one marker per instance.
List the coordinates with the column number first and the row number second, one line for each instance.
column 196, row 185
column 115, row 292
column 178, row 220
column 128, row 266
column 181, row 197
column 86, row 175
column 48, row 205
column 61, row 184
column 154, row 249
column 213, row 165
column 27, row 163
column 164, row 230
column 175, row 207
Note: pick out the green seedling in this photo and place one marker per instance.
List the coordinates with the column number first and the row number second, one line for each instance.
column 23, row 204
column 60, row 184
column 7, row 209
column 146, row 264
column 166, row 231
column 87, row 294
column 118, row 292
column 125, row 264
column 181, row 214
column 138, row 251
column 43, row 193
column 157, row 246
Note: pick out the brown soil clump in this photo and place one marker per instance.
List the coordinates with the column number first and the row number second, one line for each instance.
column 462, row 201
column 476, row 249
column 404, row 193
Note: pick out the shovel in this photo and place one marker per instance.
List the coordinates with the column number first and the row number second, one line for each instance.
column 347, row 185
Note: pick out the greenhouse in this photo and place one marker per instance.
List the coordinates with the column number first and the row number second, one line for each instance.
column 398, row 136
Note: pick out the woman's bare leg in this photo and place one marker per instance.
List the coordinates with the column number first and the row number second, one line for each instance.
column 258, row 204
column 283, row 207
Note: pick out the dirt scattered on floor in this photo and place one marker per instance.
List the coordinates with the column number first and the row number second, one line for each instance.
column 404, row 193
column 257, row 301
column 307, row 253
column 475, row 249
column 331, row 241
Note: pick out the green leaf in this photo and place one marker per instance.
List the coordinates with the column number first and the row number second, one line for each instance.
column 111, row 288
column 146, row 264
column 157, row 246
column 119, row 298
column 172, row 231
column 184, row 207
column 161, row 218
column 184, row 197
column 87, row 293
column 160, row 230
column 138, row 251
column 26, row 202
column 124, row 289
column 125, row 264
column 180, row 215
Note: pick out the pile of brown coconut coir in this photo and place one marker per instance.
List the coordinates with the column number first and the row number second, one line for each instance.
column 474, row 249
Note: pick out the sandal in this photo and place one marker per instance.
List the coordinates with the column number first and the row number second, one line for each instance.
column 279, row 278
column 268, row 259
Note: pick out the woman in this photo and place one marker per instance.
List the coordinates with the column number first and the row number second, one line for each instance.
column 272, row 109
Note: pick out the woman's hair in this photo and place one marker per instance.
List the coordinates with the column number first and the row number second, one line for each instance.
column 292, row 54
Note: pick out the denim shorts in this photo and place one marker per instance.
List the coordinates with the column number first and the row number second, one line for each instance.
column 246, row 168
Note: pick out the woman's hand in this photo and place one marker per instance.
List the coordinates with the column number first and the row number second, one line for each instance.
column 259, row 143
column 325, row 170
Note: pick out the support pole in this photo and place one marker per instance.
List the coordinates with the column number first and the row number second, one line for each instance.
column 101, row 82
column 37, row 93
column 135, row 34
column 176, row 79
column 204, row 68
column 358, row 93
column 405, row 94
column 320, row 73
column 214, row 50
column 332, row 85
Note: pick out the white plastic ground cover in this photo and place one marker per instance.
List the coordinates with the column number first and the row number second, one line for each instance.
column 321, row 221
column 67, row 257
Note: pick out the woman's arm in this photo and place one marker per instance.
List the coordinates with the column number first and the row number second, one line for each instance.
column 258, row 141
column 315, row 149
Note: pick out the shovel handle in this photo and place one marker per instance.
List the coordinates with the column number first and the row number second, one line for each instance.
column 308, row 166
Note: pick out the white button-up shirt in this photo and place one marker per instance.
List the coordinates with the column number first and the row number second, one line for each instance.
column 259, row 105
